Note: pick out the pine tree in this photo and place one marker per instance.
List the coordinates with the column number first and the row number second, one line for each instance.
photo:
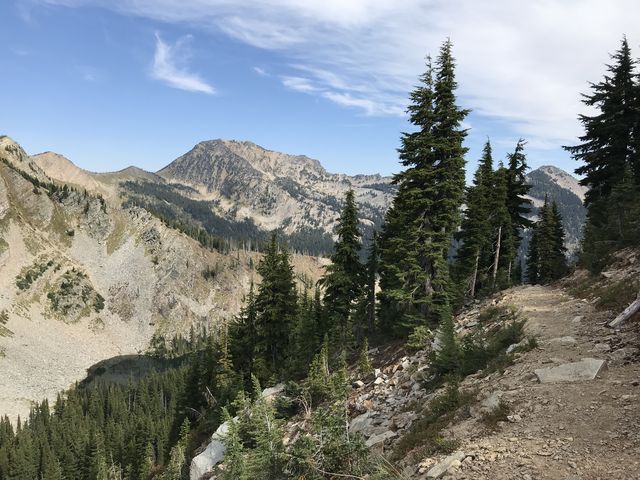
column 533, row 258
column 371, row 277
column 446, row 352
column 234, row 461
column 98, row 469
column 344, row 276
column 610, row 154
column 276, row 308
column 546, row 258
column 607, row 142
column 559, row 249
column 503, row 242
column 475, row 233
column 518, row 204
column 268, row 459
column 425, row 213
column 243, row 334
column 364, row 364
column 319, row 376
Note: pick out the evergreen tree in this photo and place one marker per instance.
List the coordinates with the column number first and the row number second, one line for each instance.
column 344, row 276
column 234, row 461
column 533, row 259
column 243, row 334
column 610, row 156
column 559, row 250
column 546, row 258
column 425, row 213
column 475, row 233
column 518, row 204
column 276, row 308
column 607, row 143
column 502, row 241
column 371, row 277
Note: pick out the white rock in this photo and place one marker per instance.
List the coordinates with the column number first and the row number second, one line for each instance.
column 585, row 369
column 213, row 454
column 270, row 392
column 358, row 384
column 564, row 341
column 443, row 467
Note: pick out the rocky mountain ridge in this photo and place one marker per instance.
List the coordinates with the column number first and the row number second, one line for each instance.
column 241, row 183
column 82, row 279
column 565, row 190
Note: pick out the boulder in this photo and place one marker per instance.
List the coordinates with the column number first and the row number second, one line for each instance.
column 585, row 369
column 269, row 393
column 439, row 469
column 381, row 437
column 214, row 453
column 211, row 456
column 361, row 422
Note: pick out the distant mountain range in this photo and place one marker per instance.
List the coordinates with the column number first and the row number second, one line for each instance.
column 240, row 192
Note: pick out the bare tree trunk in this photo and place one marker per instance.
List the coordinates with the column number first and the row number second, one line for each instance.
column 497, row 257
column 628, row 312
column 474, row 278
column 509, row 273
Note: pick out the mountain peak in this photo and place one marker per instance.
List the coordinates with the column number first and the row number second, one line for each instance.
column 564, row 180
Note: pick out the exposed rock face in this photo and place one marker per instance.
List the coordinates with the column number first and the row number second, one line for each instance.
column 273, row 189
column 211, row 456
column 562, row 187
column 82, row 279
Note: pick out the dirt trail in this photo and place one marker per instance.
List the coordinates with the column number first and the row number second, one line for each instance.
column 568, row 430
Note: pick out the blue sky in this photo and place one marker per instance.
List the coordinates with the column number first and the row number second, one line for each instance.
column 114, row 83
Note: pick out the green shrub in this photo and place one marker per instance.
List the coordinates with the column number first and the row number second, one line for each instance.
column 425, row 437
column 419, row 338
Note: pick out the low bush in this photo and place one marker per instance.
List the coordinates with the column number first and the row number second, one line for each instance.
column 425, row 435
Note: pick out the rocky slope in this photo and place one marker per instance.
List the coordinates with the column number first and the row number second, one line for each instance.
column 566, row 409
column 562, row 187
column 82, row 279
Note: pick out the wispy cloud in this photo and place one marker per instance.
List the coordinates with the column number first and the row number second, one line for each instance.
column 169, row 66
column 261, row 71
column 520, row 63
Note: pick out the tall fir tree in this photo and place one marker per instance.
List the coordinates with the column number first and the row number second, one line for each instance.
column 475, row 232
column 518, row 205
column 243, row 334
column 607, row 143
column 547, row 255
column 344, row 276
column 276, row 309
column 425, row 213
column 501, row 231
column 370, row 282
column 609, row 152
